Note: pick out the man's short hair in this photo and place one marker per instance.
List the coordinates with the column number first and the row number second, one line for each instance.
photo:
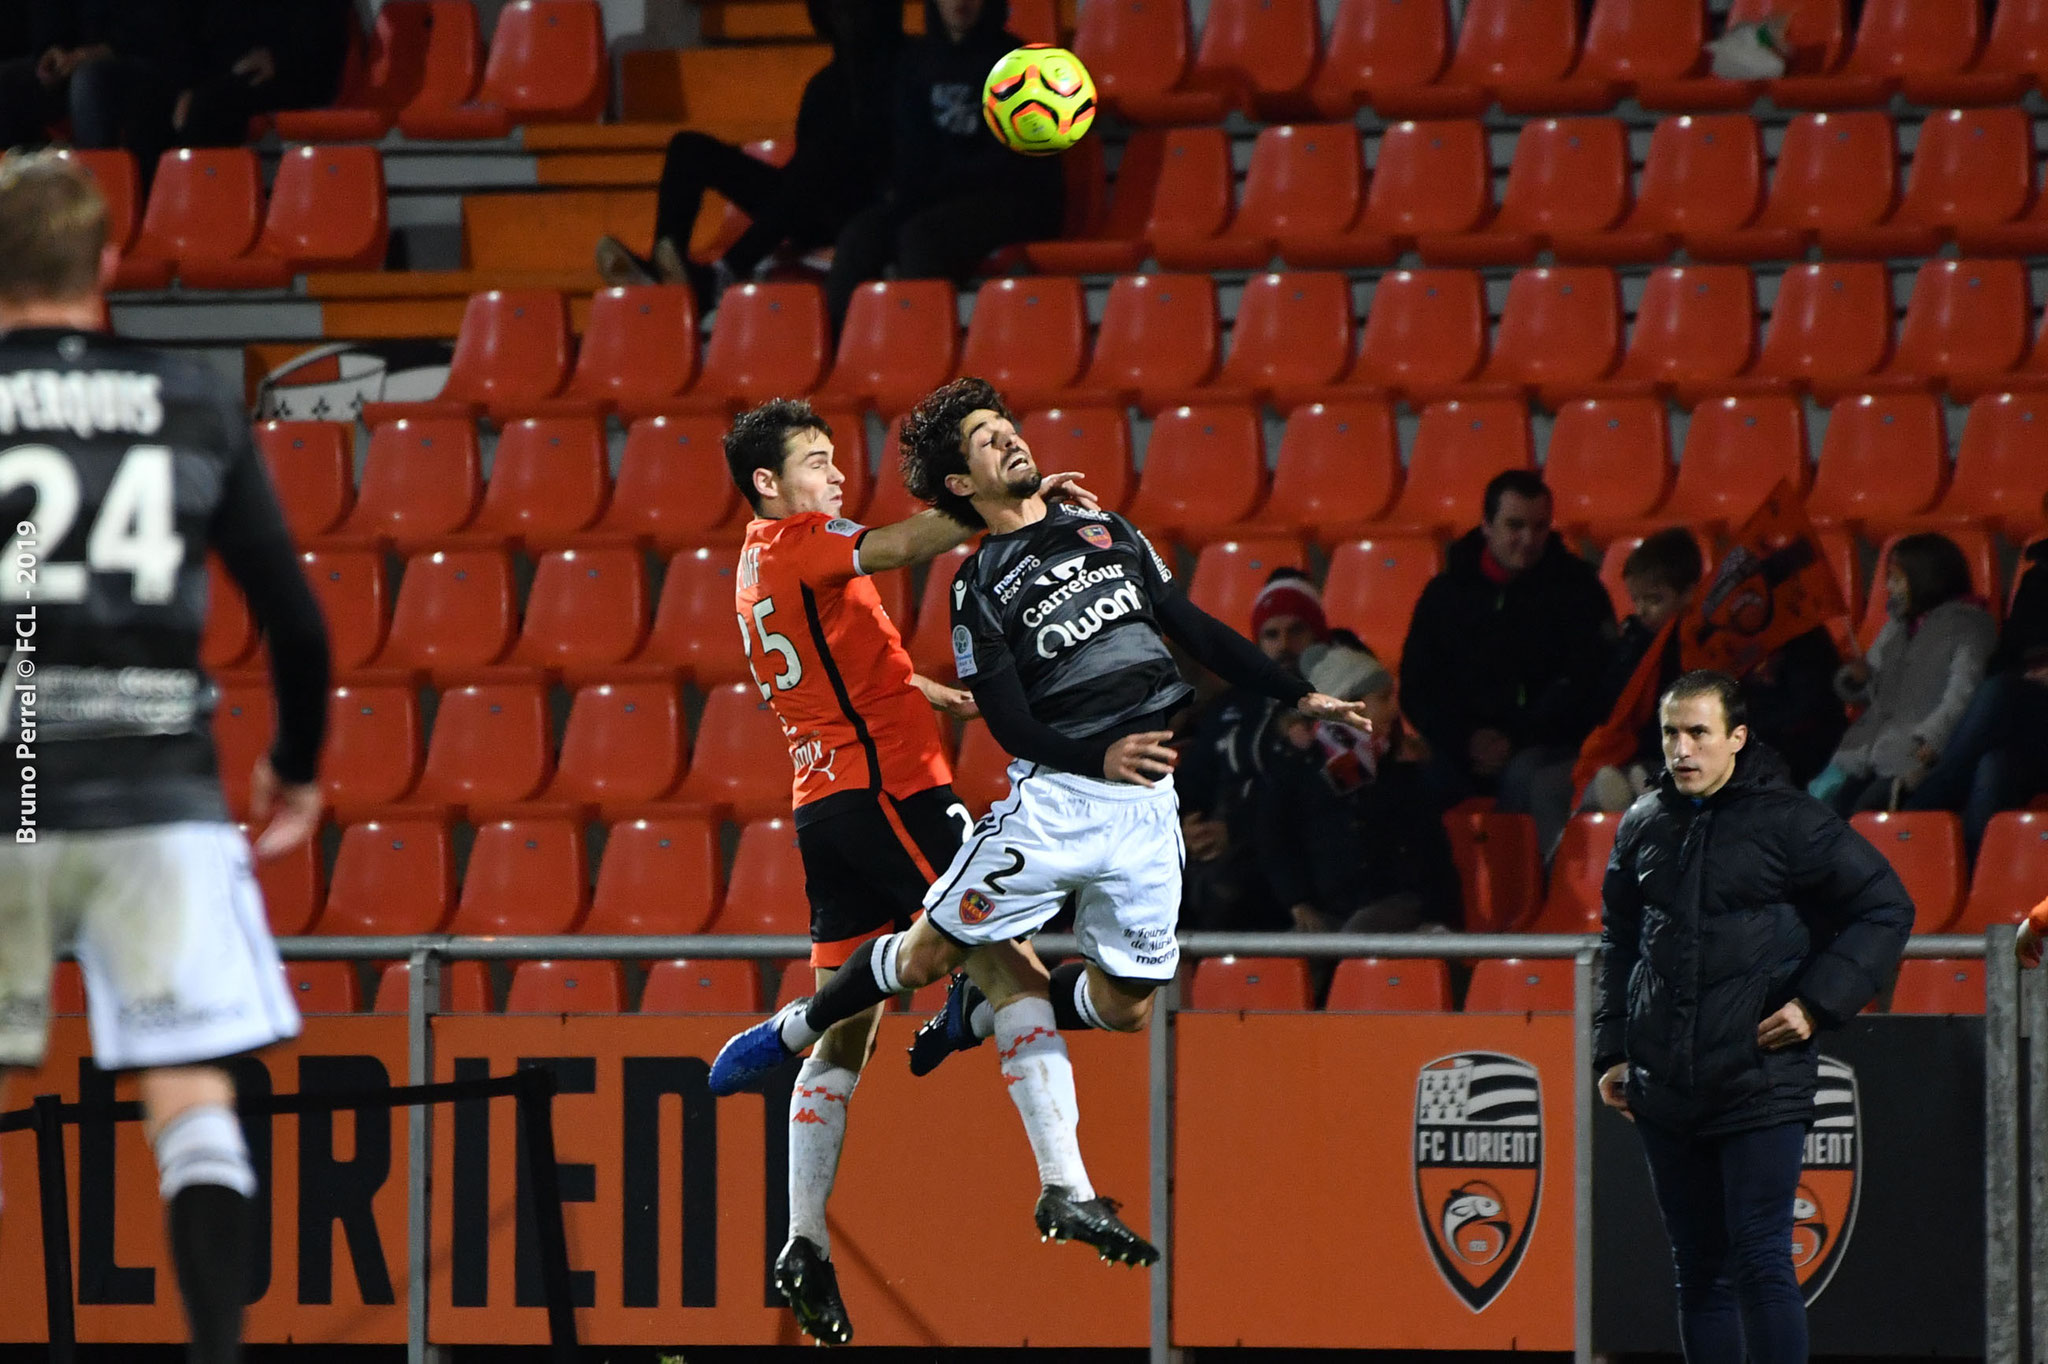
column 1520, row 482
column 1934, row 568
column 53, row 226
column 759, row 439
column 1671, row 557
column 1707, row 682
column 933, row 450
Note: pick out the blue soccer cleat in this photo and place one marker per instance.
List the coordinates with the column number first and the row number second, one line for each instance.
column 949, row 1030
column 750, row 1055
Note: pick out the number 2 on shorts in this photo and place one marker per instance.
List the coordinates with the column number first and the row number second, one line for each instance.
column 995, row 879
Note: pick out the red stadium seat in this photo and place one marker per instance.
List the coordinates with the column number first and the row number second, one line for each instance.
column 490, row 747
column 373, row 748
column 1303, row 185
column 1884, row 460
column 1376, row 49
column 624, row 744
column 1929, row 985
column 513, row 349
column 1628, row 43
column 639, row 352
column 697, row 986
column 324, row 987
column 1373, row 587
column 2014, row 55
column 548, row 481
column 673, row 487
column 355, row 597
column 1736, row 451
column 1815, row 41
column 454, row 614
column 1703, row 176
column 1835, row 173
column 465, row 988
column 660, row 874
column 525, row 876
column 1925, row 847
column 422, row 480
column 1139, row 55
column 1576, row 872
column 113, row 173
column 1261, row 52
column 930, row 644
column 981, row 776
column 290, row 882
column 547, row 62
column 898, row 344
column 1967, row 319
column 1569, row 177
column 1093, row 441
column 1378, row 985
column 765, row 893
column 1205, row 471
column 694, row 622
column 327, row 212
column 364, row 104
column 1511, row 985
column 243, row 725
column 1831, row 325
column 312, row 466
column 2012, row 871
column 1269, row 983
column 566, row 987
column 1609, row 462
column 587, row 610
column 1157, row 340
column 741, row 763
column 204, row 206
column 1459, row 447
column 451, row 59
column 1894, row 39
column 1425, row 333
column 1291, row 340
column 1972, row 168
column 2000, row 478
column 1559, row 333
column 1338, row 470
column 770, row 340
column 1027, row 337
column 1500, row 865
column 392, row 876
column 1695, row 330
column 1503, row 46
column 1229, row 573
column 1117, row 241
column 1430, row 179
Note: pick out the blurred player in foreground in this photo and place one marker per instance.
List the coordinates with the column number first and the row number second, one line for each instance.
column 120, row 470
column 2033, row 933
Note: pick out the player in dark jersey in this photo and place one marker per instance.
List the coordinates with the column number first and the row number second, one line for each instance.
column 120, row 470
column 1060, row 622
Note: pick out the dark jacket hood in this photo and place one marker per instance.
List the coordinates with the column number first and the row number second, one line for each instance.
column 888, row 22
column 995, row 17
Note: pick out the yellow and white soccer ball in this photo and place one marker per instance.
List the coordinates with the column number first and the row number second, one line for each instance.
column 1039, row 100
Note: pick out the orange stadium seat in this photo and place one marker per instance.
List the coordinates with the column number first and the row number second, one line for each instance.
column 1139, row 54
column 1695, row 330
column 113, row 173
column 1736, row 450
column 1229, row 573
column 1376, row 50
column 1338, row 469
column 1576, row 872
column 1979, row 552
column 770, row 340
column 1609, row 462
column 1459, row 447
column 450, row 62
column 586, row 611
column 354, row 595
column 799, row 980
column 513, row 349
column 1972, row 168
column 1894, row 39
column 243, row 725
column 2012, row 871
column 1884, row 460
column 490, row 747
column 1092, row 441
column 1389, row 985
column 1502, row 45
column 741, row 762
column 1116, row 241
column 673, row 487
column 898, row 344
column 1424, row 334
column 697, row 986
column 1967, row 319
column 290, row 883
column 422, row 480
column 1929, row 985
column 1512, row 985
column 1261, row 53
column 1158, row 339
column 765, row 893
column 205, row 205
column 660, row 874
column 639, row 351
column 1835, row 173
column 465, row 988
column 566, row 987
column 1205, row 471
column 373, row 748
column 1303, row 186
column 2014, row 55
column 1560, row 332
column 1027, row 337
column 694, row 624
column 324, row 987
column 1429, row 179
column 1276, row 983
column 1569, row 176
column 1373, row 586
column 930, row 643
column 312, row 466
column 392, row 71
column 2000, row 478
column 454, row 613
column 327, row 212
column 547, row 62
column 1290, row 342
column 524, row 876
column 394, row 876
column 1816, row 40
column 1703, row 175
column 1628, row 43
column 1925, row 847
column 229, row 634
column 624, row 744
column 981, row 773
column 1831, row 325
column 1500, row 865
column 548, row 481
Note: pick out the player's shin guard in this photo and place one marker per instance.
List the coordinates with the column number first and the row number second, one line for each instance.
column 208, row 1186
column 1040, row 1078
column 1072, row 1005
column 868, row 978
column 817, row 1130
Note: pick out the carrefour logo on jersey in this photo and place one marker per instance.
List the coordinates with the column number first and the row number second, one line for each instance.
column 1066, row 634
column 1076, row 583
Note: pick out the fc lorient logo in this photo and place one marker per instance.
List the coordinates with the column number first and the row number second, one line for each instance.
column 1831, row 1185
column 1478, row 1168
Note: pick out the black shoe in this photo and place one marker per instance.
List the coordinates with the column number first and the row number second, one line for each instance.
column 808, row 1282
column 1060, row 1217
column 618, row 266
column 949, row 1030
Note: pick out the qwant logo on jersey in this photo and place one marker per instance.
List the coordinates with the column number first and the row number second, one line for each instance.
column 1831, row 1185
column 1478, row 1168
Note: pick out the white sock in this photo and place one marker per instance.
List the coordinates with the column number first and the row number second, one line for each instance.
column 203, row 1145
column 888, row 978
column 1040, row 1079
column 797, row 1033
column 982, row 1022
column 817, row 1129
column 1084, row 1004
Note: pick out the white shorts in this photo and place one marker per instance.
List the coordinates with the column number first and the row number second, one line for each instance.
column 168, row 927
column 1116, row 846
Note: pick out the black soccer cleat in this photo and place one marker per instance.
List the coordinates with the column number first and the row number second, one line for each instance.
column 1062, row 1217
column 810, row 1285
column 949, row 1030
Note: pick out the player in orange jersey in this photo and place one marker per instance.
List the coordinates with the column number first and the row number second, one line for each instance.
column 2033, row 933
column 876, row 817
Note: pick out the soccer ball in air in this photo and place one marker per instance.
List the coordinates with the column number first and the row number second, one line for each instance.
column 1039, row 100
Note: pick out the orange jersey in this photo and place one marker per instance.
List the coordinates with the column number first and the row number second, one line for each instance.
column 828, row 658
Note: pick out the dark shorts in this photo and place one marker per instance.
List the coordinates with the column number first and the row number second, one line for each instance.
column 868, row 865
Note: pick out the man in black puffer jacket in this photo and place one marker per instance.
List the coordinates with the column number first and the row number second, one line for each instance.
column 1739, row 916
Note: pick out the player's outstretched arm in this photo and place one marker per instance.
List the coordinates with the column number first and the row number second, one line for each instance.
column 957, row 702
column 921, row 538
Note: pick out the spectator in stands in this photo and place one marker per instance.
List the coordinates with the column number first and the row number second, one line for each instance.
column 257, row 59
column 1223, row 769
column 1506, row 650
column 1997, row 756
column 838, row 167
column 955, row 193
column 113, row 67
column 1347, row 835
column 1917, row 680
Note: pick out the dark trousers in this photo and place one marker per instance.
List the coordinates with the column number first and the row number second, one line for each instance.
column 1727, row 1204
column 1996, row 759
column 782, row 207
column 112, row 102
column 944, row 240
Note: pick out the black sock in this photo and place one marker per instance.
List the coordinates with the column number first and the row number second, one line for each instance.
column 210, row 1244
column 852, row 990
column 1066, row 1015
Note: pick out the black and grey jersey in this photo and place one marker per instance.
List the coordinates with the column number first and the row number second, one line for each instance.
column 1072, row 603
column 121, row 469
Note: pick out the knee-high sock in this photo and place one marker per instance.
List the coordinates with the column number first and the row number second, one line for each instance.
column 208, row 1186
column 868, row 978
column 817, row 1129
column 1072, row 1005
column 1040, row 1079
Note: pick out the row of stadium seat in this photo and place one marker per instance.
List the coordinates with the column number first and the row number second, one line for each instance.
column 1402, row 59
